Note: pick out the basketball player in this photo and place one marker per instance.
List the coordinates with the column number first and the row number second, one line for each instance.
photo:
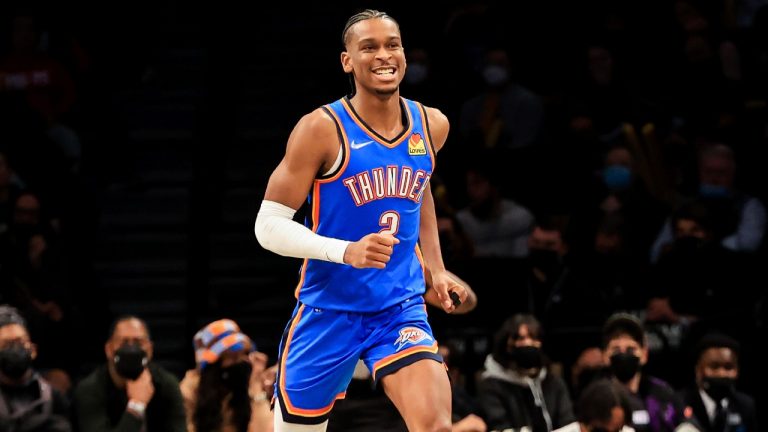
column 365, row 162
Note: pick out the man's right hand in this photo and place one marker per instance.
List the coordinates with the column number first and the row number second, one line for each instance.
column 141, row 389
column 371, row 251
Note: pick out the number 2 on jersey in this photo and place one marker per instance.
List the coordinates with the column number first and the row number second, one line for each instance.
column 390, row 222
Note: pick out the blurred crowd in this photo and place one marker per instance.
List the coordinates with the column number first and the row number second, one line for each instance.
column 616, row 171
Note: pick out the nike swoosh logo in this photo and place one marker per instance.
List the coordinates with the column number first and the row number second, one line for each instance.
column 357, row 146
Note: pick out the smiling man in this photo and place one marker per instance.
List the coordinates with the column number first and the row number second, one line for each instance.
column 364, row 164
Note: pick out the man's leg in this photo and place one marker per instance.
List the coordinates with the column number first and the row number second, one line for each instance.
column 422, row 393
column 281, row 425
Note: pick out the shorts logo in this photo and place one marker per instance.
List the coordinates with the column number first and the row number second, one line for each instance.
column 411, row 335
column 416, row 145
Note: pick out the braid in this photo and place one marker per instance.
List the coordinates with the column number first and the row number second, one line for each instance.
column 362, row 16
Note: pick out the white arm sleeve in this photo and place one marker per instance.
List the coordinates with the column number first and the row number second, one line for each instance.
column 278, row 232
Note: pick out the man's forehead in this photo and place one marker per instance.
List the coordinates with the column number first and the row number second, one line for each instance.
column 13, row 331
column 372, row 29
column 130, row 328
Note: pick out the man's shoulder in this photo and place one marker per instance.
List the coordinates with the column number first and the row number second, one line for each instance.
column 97, row 375
column 92, row 382
column 162, row 375
column 317, row 123
column 657, row 387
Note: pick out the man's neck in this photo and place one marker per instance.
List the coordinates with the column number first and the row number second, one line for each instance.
column 382, row 113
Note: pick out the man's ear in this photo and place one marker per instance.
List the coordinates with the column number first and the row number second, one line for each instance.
column 33, row 350
column 346, row 62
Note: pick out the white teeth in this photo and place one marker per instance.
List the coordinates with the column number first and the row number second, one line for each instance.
column 389, row 71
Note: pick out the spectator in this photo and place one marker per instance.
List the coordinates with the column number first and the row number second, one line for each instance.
column 229, row 391
column 517, row 388
column 738, row 220
column 130, row 392
column 697, row 279
column 716, row 404
column 602, row 406
column 496, row 226
column 654, row 406
column 505, row 115
column 28, row 403
column 42, row 83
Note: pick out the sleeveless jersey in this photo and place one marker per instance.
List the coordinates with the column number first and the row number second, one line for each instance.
column 378, row 188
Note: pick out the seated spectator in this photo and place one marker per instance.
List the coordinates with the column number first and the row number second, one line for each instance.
column 654, row 405
column 517, row 388
column 697, row 280
column 497, row 227
column 129, row 392
column 738, row 219
column 716, row 404
column 229, row 390
column 28, row 403
column 42, row 83
column 602, row 406
column 506, row 115
column 38, row 285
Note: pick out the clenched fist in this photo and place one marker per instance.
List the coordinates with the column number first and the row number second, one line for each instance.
column 371, row 251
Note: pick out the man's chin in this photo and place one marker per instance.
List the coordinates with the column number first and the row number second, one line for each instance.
column 386, row 91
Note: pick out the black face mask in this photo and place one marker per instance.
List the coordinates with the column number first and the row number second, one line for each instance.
column 718, row 388
column 130, row 361
column 15, row 361
column 624, row 366
column 527, row 357
column 237, row 377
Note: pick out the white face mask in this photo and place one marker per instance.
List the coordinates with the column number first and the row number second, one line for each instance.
column 495, row 75
column 416, row 73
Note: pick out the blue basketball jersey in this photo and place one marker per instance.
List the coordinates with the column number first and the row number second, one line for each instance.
column 378, row 188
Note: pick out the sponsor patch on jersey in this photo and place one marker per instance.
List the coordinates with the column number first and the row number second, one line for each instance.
column 411, row 335
column 416, row 145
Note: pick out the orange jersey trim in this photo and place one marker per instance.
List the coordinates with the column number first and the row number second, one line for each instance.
column 284, row 358
column 345, row 143
column 397, row 356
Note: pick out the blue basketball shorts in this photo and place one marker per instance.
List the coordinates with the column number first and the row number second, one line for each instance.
column 320, row 347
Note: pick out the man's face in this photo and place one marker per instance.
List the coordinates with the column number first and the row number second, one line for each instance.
column 717, row 171
column 27, row 210
column 479, row 188
column 524, row 337
column 548, row 240
column 717, row 362
column 624, row 344
column 685, row 228
column 375, row 56
column 16, row 335
column 619, row 156
column 128, row 332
